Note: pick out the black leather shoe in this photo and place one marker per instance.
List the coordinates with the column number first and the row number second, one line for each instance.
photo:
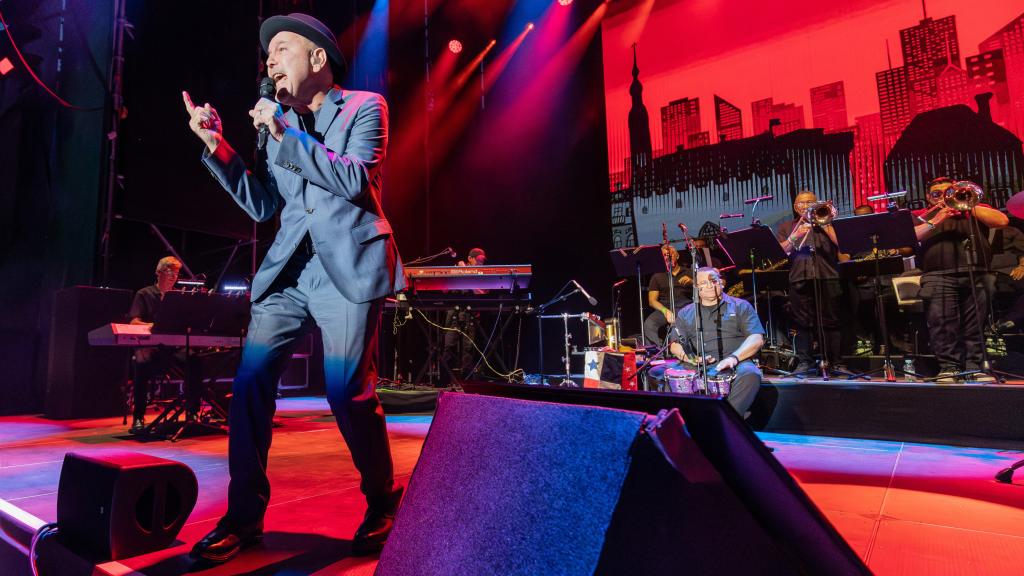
column 224, row 542
column 377, row 524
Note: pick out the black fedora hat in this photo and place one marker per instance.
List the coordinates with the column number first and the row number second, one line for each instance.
column 308, row 27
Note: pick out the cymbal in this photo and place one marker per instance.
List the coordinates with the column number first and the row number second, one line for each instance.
column 1015, row 205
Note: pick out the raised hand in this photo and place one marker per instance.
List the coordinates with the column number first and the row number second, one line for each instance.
column 204, row 121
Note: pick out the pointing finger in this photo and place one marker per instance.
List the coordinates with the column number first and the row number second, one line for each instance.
column 188, row 101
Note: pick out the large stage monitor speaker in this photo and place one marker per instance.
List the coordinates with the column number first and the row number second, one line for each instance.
column 117, row 504
column 510, row 486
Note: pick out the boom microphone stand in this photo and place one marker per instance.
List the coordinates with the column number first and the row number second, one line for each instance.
column 702, row 365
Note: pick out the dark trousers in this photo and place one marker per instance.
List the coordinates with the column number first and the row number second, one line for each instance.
column 302, row 296
column 151, row 363
column 954, row 323
column 805, row 319
column 458, row 353
column 653, row 328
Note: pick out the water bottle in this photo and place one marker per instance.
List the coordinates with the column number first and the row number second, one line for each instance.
column 908, row 369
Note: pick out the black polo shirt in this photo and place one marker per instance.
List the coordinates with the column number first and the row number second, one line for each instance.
column 726, row 326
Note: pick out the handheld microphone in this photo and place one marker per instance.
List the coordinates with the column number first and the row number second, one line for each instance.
column 266, row 91
column 759, row 199
column 727, row 216
column 591, row 299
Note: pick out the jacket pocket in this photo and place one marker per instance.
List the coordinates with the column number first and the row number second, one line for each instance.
column 371, row 231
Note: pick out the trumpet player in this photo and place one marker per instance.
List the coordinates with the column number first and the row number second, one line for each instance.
column 954, row 318
column 810, row 241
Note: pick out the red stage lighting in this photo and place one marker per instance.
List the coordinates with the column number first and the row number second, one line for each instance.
column 455, row 46
column 529, row 26
column 5, row 66
column 564, row 2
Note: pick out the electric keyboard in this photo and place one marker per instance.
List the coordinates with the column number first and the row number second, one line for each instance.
column 138, row 335
column 511, row 277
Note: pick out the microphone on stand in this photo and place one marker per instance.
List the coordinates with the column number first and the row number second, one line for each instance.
column 591, row 299
column 619, row 283
column 759, row 199
column 451, row 252
column 727, row 216
column 266, row 91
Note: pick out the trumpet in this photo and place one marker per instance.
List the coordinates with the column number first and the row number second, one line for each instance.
column 819, row 214
column 960, row 196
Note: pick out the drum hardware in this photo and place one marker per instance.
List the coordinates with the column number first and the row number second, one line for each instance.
column 686, row 379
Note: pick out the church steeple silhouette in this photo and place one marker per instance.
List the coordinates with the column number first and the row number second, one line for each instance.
column 639, row 127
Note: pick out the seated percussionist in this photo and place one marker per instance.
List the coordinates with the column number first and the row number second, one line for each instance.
column 733, row 335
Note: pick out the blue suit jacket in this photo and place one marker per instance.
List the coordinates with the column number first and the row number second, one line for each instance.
column 339, row 206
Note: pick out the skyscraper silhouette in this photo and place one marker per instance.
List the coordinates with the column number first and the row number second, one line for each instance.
column 728, row 120
column 828, row 107
column 1010, row 39
column 640, row 153
column 924, row 50
column 986, row 72
column 893, row 101
column 679, row 120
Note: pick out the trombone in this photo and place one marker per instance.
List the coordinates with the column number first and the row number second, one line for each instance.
column 819, row 214
column 960, row 196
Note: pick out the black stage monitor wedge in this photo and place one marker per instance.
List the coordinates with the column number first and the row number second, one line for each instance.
column 513, row 486
column 117, row 504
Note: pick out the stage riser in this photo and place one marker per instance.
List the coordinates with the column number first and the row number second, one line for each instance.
column 960, row 415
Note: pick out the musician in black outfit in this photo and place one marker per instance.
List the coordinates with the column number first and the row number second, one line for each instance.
column 658, row 297
column 954, row 322
column 150, row 362
column 456, row 344
column 813, row 253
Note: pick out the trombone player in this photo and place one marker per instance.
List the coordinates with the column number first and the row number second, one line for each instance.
column 815, row 291
column 954, row 318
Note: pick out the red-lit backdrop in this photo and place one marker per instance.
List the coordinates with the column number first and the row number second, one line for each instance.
column 881, row 80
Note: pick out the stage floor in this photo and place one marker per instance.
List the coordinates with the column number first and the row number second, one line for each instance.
column 905, row 508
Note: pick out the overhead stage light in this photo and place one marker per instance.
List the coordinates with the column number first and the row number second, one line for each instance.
column 455, row 46
column 564, row 2
column 529, row 26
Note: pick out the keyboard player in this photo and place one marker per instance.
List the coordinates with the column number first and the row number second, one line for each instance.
column 152, row 361
column 457, row 346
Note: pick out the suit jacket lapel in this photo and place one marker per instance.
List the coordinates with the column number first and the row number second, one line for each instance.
column 331, row 106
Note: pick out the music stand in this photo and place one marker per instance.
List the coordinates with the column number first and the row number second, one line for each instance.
column 637, row 261
column 876, row 232
column 195, row 314
column 753, row 248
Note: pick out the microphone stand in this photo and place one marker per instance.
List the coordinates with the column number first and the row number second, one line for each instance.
column 702, row 365
column 425, row 259
column 567, row 338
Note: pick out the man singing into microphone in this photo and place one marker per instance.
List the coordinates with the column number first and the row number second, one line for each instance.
column 331, row 265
